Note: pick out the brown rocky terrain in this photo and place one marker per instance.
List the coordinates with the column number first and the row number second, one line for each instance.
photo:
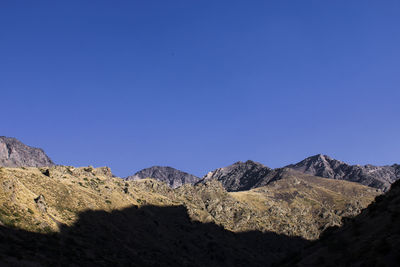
column 42, row 199
column 86, row 216
column 370, row 239
column 244, row 214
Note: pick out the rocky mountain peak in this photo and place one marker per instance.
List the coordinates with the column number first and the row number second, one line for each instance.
column 14, row 153
column 321, row 159
column 240, row 175
column 324, row 166
column 173, row 177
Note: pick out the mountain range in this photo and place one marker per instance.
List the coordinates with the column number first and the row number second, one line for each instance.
column 236, row 177
column 243, row 214
column 247, row 175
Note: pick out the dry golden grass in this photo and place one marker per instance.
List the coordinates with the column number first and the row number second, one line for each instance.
column 296, row 205
column 67, row 191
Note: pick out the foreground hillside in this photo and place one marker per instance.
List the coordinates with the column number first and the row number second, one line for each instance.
column 305, row 205
column 370, row 239
column 143, row 236
column 43, row 199
column 84, row 216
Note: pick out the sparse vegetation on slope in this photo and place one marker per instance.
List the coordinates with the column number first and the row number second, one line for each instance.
column 43, row 199
column 370, row 239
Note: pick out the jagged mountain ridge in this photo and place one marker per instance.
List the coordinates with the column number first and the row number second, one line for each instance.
column 241, row 175
column 324, row 166
column 14, row 153
column 236, row 177
column 247, row 175
column 171, row 176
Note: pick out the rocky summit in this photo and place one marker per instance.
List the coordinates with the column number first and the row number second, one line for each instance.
column 241, row 176
column 13, row 153
column 173, row 177
column 375, row 176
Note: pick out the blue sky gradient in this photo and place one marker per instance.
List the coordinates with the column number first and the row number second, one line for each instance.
column 198, row 85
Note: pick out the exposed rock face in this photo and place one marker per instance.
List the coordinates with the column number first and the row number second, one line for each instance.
column 375, row 176
column 243, row 176
column 13, row 153
column 41, row 203
column 173, row 177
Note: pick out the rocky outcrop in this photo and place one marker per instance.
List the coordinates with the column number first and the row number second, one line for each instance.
column 13, row 153
column 380, row 177
column 41, row 203
column 173, row 177
column 242, row 176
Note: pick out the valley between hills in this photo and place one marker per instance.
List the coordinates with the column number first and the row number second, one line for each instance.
column 242, row 214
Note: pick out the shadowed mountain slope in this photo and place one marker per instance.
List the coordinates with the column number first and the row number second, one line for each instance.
column 375, row 176
column 145, row 236
column 370, row 239
column 13, row 153
column 146, row 223
column 305, row 205
column 173, row 177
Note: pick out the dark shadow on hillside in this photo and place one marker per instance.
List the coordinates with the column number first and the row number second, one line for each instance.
column 146, row 236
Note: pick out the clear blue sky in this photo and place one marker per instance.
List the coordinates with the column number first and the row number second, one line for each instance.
column 201, row 84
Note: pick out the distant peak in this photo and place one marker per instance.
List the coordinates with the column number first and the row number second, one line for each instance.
column 173, row 177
